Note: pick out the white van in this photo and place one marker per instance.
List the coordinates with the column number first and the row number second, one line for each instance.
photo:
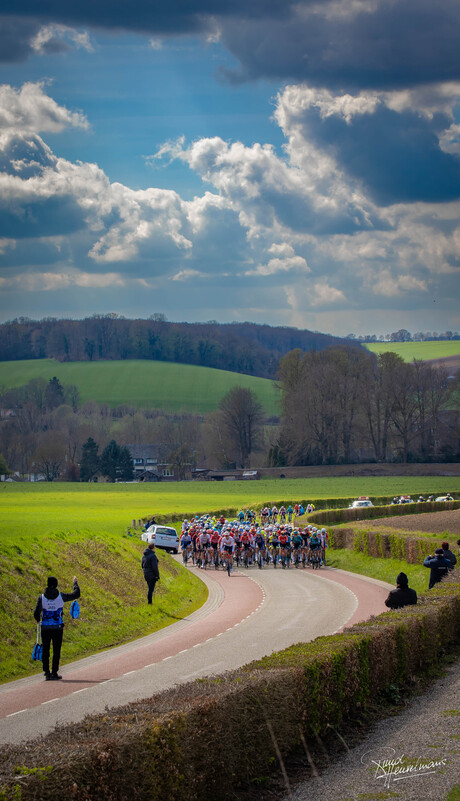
column 162, row 537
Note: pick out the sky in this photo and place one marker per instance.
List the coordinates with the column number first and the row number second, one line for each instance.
column 290, row 163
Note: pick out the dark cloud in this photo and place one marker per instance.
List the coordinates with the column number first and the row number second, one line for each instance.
column 400, row 43
column 386, row 43
column 16, row 35
column 54, row 216
column 23, row 18
column 396, row 156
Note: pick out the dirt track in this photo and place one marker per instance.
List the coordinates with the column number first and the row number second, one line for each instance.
column 433, row 522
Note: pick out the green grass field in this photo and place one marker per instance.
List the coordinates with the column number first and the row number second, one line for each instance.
column 112, row 507
column 417, row 350
column 159, row 385
column 62, row 529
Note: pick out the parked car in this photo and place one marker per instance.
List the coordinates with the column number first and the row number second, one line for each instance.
column 361, row 503
column 163, row 537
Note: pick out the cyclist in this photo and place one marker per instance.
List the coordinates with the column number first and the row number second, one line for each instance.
column 315, row 546
column 203, row 543
column 246, row 542
column 259, row 542
column 282, row 513
column 274, row 546
column 215, row 539
column 186, row 545
column 324, row 539
column 274, row 514
column 297, row 544
column 227, row 547
column 285, row 547
column 290, row 512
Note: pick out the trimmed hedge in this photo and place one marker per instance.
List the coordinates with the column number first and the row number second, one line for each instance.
column 209, row 738
column 328, row 516
column 382, row 545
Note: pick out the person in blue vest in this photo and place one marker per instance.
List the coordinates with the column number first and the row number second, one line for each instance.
column 50, row 610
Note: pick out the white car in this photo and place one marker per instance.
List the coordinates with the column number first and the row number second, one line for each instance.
column 444, row 498
column 163, row 537
column 360, row 503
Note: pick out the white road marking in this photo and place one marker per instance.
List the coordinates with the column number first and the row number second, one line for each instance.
column 12, row 714
column 50, row 701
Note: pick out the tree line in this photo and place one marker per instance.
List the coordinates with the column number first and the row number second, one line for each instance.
column 340, row 405
column 344, row 406
column 48, row 431
column 239, row 347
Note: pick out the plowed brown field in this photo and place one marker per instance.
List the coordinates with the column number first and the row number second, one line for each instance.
column 432, row 522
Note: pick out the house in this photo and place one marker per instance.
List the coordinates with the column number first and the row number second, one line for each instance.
column 149, row 463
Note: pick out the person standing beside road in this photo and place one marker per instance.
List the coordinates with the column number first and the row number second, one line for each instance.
column 150, row 568
column 50, row 609
column 402, row 595
column 439, row 566
column 448, row 554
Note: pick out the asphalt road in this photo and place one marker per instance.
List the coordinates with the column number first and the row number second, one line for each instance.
column 246, row 616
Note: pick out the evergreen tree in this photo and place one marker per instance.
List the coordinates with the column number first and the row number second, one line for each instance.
column 125, row 465
column 90, row 462
column 110, row 458
column 54, row 393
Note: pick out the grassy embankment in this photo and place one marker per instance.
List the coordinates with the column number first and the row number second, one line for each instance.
column 157, row 385
column 64, row 529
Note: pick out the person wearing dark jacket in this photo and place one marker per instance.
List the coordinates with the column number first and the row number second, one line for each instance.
column 439, row 566
column 449, row 555
column 150, row 568
column 50, row 608
column 402, row 595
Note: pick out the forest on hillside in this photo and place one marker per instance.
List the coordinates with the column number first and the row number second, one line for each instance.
column 339, row 406
column 240, row 347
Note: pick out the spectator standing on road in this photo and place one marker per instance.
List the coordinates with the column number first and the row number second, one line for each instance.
column 50, row 609
column 439, row 566
column 402, row 595
column 448, row 554
column 150, row 568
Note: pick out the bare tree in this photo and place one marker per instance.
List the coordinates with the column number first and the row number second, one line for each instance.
column 242, row 417
column 49, row 456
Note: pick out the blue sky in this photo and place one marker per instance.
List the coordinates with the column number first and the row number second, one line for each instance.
column 294, row 164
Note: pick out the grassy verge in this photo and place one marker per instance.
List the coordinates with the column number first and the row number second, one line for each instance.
column 382, row 569
column 113, row 603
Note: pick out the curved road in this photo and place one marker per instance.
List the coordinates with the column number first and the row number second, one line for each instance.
column 248, row 616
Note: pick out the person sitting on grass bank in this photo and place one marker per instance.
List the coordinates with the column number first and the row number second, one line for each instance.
column 50, row 608
column 150, row 568
column 448, row 554
column 439, row 566
column 402, row 595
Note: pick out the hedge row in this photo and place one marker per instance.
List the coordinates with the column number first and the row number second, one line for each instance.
column 210, row 738
column 329, row 516
column 332, row 510
column 384, row 546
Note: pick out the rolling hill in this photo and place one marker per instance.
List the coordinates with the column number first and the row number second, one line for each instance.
column 426, row 351
column 159, row 385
